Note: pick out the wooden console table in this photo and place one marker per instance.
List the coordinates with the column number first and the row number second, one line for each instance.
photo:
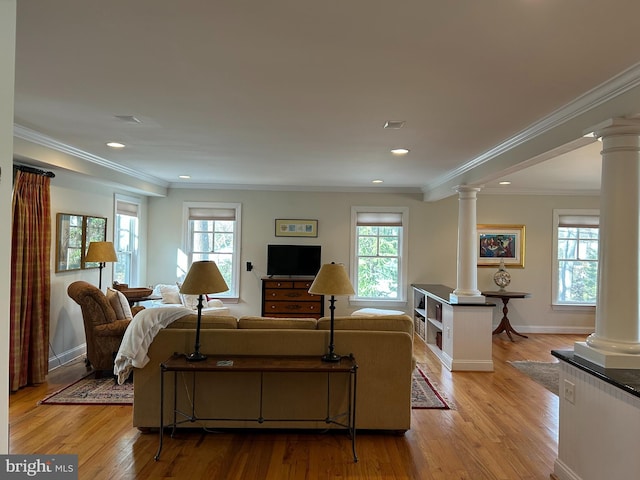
column 260, row 364
column 505, row 324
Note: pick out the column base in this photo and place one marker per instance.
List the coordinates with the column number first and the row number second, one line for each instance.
column 606, row 359
column 461, row 298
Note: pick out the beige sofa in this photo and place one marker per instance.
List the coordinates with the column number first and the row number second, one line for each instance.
column 382, row 346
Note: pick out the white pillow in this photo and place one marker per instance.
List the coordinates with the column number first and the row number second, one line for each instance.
column 191, row 301
column 170, row 294
column 120, row 304
column 215, row 303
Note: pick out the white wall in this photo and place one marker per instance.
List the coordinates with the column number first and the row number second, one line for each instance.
column 75, row 194
column 432, row 243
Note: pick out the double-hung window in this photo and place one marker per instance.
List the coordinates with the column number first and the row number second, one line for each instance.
column 213, row 233
column 378, row 267
column 126, row 241
column 575, row 269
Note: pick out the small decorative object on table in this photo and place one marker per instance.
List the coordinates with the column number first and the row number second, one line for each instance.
column 502, row 278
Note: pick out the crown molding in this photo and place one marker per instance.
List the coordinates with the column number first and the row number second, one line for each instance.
column 38, row 138
column 605, row 92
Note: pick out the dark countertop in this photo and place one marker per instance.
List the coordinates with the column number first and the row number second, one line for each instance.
column 441, row 293
column 627, row 379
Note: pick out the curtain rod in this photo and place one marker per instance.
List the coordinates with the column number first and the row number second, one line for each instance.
column 37, row 171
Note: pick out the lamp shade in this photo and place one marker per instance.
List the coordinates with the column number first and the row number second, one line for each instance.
column 203, row 277
column 332, row 279
column 101, row 252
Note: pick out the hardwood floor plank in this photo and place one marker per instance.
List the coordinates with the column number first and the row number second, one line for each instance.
column 503, row 426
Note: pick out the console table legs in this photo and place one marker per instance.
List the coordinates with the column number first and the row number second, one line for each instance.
column 505, row 324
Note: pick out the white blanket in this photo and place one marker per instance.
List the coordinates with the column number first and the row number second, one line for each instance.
column 139, row 335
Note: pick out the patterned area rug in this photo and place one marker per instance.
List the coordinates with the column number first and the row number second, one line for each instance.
column 105, row 391
column 424, row 394
column 546, row 374
column 93, row 391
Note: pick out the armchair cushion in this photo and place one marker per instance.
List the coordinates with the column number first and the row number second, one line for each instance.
column 120, row 304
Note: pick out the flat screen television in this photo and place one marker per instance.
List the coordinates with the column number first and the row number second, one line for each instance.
column 293, row 260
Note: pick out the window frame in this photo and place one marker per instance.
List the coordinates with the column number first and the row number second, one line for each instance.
column 401, row 301
column 557, row 213
column 135, row 275
column 233, row 294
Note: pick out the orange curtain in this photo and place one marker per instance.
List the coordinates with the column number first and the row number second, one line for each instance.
column 30, row 281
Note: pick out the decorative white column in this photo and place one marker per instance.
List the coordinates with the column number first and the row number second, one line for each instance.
column 616, row 341
column 467, row 283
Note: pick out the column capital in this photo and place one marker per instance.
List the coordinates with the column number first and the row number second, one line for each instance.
column 467, row 189
column 616, row 126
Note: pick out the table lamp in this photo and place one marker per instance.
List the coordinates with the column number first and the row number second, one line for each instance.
column 203, row 277
column 332, row 279
column 101, row 252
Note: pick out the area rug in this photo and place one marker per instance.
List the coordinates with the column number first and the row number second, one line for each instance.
column 423, row 394
column 546, row 374
column 105, row 391
column 93, row 391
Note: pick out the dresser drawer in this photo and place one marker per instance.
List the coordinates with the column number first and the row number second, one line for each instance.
column 277, row 284
column 310, row 308
column 290, row 294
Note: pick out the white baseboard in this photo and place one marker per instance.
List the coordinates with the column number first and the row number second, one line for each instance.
column 557, row 329
column 67, row 356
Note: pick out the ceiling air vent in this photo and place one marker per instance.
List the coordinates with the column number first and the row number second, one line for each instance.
column 128, row 118
column 394, row 125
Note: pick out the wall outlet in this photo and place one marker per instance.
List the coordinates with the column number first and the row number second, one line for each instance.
column 569, row 392
column 249, row 266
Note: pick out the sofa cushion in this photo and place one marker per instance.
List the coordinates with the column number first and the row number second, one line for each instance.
column 207, row 322
column 120, row 304
column 402, row 323
column 277, row 323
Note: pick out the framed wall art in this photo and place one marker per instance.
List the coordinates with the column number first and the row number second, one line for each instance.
column 73, row 235
column 296, row 228
column 501, row 242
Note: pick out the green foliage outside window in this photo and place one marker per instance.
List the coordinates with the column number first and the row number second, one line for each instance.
column 214, row 240
column 577, row 265
column 378, row 262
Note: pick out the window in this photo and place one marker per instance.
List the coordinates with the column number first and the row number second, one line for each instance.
column 379, row 266
column 575, row 272
column 126, row 241
column 213, row 233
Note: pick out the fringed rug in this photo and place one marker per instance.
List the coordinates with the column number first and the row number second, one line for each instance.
column 424, row 394
column 106, row 391
column 546, row 374
column 93, row 391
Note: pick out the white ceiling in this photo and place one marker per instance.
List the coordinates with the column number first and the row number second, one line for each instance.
column 294, row 94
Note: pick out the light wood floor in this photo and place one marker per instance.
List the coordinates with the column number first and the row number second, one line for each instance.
column 504, row 426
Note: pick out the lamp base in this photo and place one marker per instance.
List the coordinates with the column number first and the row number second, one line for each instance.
column 196, row 357
column 331, row 357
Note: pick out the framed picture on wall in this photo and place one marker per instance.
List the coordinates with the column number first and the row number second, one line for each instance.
column 501, row 242
column 296, row 228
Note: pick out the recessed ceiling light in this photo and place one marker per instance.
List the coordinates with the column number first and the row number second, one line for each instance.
column 185, row 177
column 115, row 145
column 505, row 183
column 394, row 124
column 400, row 151
column 377, row 181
